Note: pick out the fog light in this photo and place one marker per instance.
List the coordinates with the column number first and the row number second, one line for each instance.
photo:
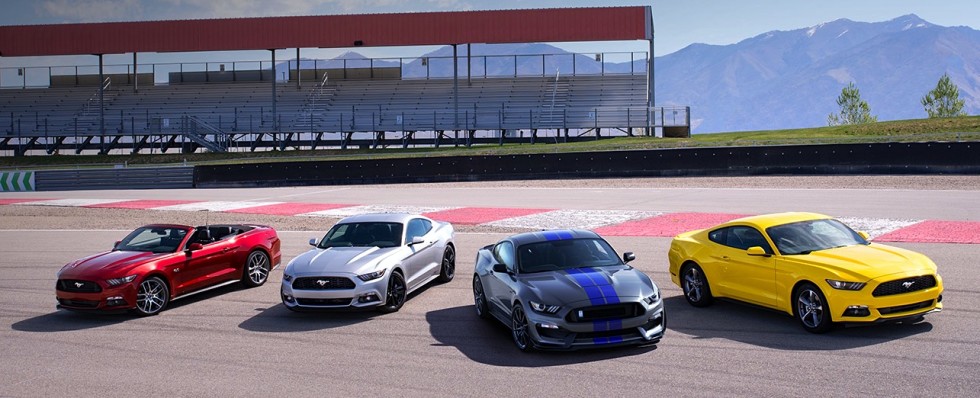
column 548, row 326
column 115, row 301
column 288, row 298
column 368, row 298
column 857, row 310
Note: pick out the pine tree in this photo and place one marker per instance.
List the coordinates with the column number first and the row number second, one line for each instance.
column 944, row 100
column 853, row 110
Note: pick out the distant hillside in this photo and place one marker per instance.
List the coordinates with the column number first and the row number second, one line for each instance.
column 790, row 79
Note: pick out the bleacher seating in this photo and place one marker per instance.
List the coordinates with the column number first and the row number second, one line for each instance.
column 341, row 105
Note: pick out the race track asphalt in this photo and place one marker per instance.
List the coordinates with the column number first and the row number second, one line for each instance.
column 242, row 342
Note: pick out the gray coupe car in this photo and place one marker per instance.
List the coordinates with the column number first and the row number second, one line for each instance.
column 566, row 289
column 370, row 261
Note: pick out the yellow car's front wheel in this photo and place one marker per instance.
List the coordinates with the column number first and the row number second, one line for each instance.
column 812, row 309
column 695, row 286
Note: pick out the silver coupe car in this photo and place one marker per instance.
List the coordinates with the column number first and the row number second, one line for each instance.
column 566, row 289
column 370, row 261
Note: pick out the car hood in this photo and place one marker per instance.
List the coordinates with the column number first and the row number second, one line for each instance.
column 107, row 262
column 868, row 261
column 340, row 259
column 588, row 286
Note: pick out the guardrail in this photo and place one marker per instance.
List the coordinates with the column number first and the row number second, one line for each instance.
column 837, row 159
column 117, row 178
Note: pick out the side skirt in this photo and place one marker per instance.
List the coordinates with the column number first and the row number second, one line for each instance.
column 205, row 289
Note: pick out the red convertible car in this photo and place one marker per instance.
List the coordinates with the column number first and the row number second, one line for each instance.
column 159, row 263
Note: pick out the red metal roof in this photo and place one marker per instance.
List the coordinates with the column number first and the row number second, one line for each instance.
column 331, row 31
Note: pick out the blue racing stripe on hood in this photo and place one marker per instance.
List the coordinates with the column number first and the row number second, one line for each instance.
column 597, row 287
column 556, row 235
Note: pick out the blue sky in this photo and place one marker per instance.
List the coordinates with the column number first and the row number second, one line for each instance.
column 677, row 23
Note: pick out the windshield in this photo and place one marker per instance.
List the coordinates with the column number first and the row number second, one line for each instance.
column 365, row 234
column 153, row 239
column 808, row 236
column 565, row 254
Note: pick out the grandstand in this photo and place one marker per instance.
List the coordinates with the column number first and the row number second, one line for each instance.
column 339, row 107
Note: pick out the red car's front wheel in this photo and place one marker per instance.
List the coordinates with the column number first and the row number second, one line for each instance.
column 152, row 296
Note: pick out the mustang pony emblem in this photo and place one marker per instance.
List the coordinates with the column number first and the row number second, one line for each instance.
column 908, row 284
column 322, row 282
column 79, row 284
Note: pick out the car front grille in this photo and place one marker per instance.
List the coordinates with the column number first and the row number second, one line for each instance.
column 323, row 283
column 324, row 302
column 905, row 308
column 603, row 312
column 906, row 285
column 87, row 304
column 77, row 286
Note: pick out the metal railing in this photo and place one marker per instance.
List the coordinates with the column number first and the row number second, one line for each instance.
column 422, row 67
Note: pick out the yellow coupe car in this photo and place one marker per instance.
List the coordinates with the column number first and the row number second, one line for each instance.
column 808, row 265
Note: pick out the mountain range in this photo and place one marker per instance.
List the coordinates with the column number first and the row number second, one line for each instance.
column 776, row 80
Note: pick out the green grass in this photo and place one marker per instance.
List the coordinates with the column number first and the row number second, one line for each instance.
column 919, row 130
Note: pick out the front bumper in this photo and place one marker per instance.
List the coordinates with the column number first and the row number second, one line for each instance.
column 557, row 333
column 862, row 307
column 368, row 294
column 110, row 299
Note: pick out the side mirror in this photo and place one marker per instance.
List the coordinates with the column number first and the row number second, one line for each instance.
column 498, row 267
column 194, row 246
column 864, row 235
column 416, row 240
column 756, row 251
column 628, row 256
column 312, row 241
column 115, row 246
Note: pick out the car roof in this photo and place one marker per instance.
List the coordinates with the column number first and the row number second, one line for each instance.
column 380, row 217
column 768, row 220
column 552, row 234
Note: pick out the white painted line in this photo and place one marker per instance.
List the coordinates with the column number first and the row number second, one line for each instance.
column 71, row 202
column 563, row 219
column 876, row 226
column 355, row 210
column 215, row 206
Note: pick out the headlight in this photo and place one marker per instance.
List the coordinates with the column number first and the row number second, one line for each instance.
column 287, row 278
column 370, row 276
column 842, row 285
column 545, row 309
column 120, row 281
column 653, row 298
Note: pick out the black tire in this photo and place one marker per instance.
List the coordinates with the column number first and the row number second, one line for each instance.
column 256, row 269
column 395, row 296
column 480, row 298
column 811, row 309
column 695, row 286
column 152, row 296
column 448, row 270
column 520, row 330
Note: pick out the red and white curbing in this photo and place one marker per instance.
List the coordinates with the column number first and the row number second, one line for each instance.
column 605, row 222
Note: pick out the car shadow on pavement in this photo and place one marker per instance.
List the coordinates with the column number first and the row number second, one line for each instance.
column 66, row 320
column 771, row 329
column 488, row 341
column 278, row 318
